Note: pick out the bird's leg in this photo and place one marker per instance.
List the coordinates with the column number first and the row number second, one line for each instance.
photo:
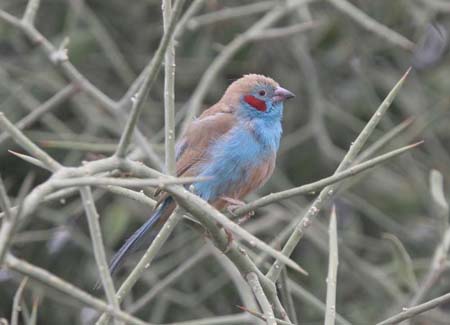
column 233, row 205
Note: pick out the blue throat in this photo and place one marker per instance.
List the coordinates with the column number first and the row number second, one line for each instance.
column 254, row 139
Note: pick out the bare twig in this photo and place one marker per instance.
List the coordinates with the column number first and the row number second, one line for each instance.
column 416, row 310
column 39, row 111
column 60, row 285
column 145, row 261
column 30, row 11
column 328, row 192
column 99, row 248
column 34, row 310
column 150, row 73
column 441, row 5
column 5, row 204
column 312, row 187
column 169, row 93
column 372, row 25
column 286, row 297
column 184, row 20
column 54, row 56
column 381, row 142
column 125, row 182
column 26, row 143
column 242, row 318
column 17, row 301
column 206, row 215
column 230, row 13
column 171, row 277
column 333, row 262
column 9, row 224
column 258, row 291
column 277, row 33
column 110, row 48
column 263, row 317
column 439, row 262
column 313, row 301
column 107, row 148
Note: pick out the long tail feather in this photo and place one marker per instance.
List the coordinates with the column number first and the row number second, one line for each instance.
column 144, row 235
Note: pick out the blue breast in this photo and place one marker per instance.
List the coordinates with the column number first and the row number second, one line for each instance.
column 232, row 157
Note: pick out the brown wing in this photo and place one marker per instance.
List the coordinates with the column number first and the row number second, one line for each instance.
column 193, row 147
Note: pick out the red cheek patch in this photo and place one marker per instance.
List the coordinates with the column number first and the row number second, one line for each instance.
column 256, row 103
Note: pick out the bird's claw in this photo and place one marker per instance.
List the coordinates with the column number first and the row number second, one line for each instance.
column 245, row 217
column 235, row 204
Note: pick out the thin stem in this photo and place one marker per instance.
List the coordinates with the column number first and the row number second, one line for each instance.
column 184, row 20
column 219, row 320
column 145, row 261
column 207, row 216
column 169, row 94
column 68, row 289
column 31, row 11
column 60, row 61
column 150, row 74
column 9, row 225
column 17, row 302
column 327, row 194
column 98, row 246
column 203, row 210
column 312, row 301
column 5, row 204
column 133, row 195
column 277, row 33
column 253, row 282
column 286, row 296
column 125, row 182
column 27, row 144
column 107, row 43
column 6, row 233
column 261, row 316
column 333, row 261
column 60, row 97
column 169, row 278
column 372, row 25
column 440, row 257
column 230, row 13
column 34, row 310
column 388, row 136
column 312, row 187
column 416, row 310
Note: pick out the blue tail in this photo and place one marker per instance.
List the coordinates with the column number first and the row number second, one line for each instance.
column 144, row 235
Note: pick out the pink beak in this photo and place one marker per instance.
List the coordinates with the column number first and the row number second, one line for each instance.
column 281, row 94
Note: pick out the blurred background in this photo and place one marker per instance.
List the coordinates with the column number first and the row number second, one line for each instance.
column 340, row 58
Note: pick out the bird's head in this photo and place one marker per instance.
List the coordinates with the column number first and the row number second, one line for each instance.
column 257, row 96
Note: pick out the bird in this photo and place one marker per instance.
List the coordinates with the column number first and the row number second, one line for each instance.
column 232, row 145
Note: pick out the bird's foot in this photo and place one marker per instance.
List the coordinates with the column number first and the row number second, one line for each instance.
column 233, row 205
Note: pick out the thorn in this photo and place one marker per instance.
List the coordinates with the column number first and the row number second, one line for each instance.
column 241, row 307
column 29, row 159
column 406, row 74
column 416, row 144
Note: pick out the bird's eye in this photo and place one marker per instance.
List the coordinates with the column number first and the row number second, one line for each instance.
column 262, row 93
